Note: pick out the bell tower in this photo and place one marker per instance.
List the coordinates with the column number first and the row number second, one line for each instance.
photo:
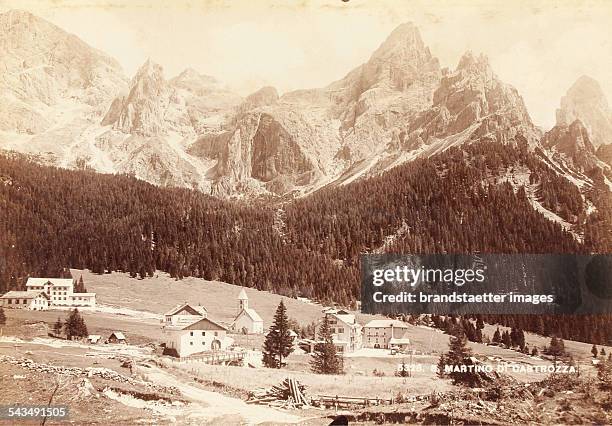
column 243, row 301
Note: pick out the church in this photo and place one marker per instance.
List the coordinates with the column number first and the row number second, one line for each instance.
column 247, row 320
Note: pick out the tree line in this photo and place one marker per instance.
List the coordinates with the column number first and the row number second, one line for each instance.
column 454, row 202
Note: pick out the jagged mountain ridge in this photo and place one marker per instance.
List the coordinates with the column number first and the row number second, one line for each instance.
column 191, row 131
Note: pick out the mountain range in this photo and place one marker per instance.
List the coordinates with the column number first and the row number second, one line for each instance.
column 65, row 103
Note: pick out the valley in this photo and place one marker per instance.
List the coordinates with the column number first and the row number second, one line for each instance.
column 214, row 237
column 215, row 393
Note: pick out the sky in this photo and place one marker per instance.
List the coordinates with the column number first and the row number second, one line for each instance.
column 540, row 46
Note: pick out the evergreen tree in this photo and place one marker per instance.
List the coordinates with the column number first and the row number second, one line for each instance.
column 441, row 363
column 404, row 370
column 603, row 352
column 75, row 325
column 497, row 336
column 604, row 373
column 556, row 347
column 325, row 358
column 58, row 326
column 594, row 351
column 506, row 339
column 534, row 351
column 80, row 285
column 520, row 338
column 479, row 323
column 457, row 356
column 279, row 341
column 2, row 316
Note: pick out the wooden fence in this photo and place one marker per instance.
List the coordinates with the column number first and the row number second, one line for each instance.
column 221, row 357
column 348, row 401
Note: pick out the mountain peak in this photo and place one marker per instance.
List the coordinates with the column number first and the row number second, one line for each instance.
column 190, row 76
column 469, row 61
column 267, row 95
column 586, row 101
column 586, row 89
column 573, row 142
column 405, row 37
column 404, row 31
column 149, row 68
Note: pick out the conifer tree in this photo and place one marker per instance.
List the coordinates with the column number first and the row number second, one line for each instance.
column 506, row 339
column 58, row 326
column 457, row 356
column 80, row 286
column 497, row 336
column 75, row 325
column 556, row 347
column 279, row 341
column 594, row 351
column 441, row 363
column 325, row 358
column 404, row 370
column 479, row 323
column 604, row 373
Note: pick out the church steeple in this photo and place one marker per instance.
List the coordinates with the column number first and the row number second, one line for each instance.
column 243, row 301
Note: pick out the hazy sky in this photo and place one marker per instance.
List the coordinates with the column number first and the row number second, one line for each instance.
column 540, row 47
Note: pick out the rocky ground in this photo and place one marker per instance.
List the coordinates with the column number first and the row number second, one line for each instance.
column 561, row 399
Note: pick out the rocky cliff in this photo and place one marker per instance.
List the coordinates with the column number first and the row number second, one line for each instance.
column 71, row 105
column 586, row 102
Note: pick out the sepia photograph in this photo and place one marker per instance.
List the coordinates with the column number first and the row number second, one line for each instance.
column 316, row 212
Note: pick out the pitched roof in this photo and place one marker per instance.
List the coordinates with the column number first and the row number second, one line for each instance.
column 194, row 310
column 23, row 294
column 343, row 316
column 252, row 313
column 204, row 324
column 242, row 295
column 42, row 281
column 386, row 323
column 119, row 335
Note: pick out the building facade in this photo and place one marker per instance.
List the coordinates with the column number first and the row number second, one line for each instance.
column 346, row 331
column 61, row 292
column 203, row 335
column 247, row 320
column 386, row 334
column 33, row 300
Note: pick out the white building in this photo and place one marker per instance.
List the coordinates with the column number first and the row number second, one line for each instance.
column 61, row 292
column 386, row 334
column 184, row 314
column 33, row 300
column 248, row 320
column 204, row 335
column 346, row 331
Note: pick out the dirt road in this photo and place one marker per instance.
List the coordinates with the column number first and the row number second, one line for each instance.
column 211, row 405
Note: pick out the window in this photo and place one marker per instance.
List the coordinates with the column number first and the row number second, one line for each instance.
column 191, row 343
column 203, row 333
column 191, row 334
column 216, row 334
